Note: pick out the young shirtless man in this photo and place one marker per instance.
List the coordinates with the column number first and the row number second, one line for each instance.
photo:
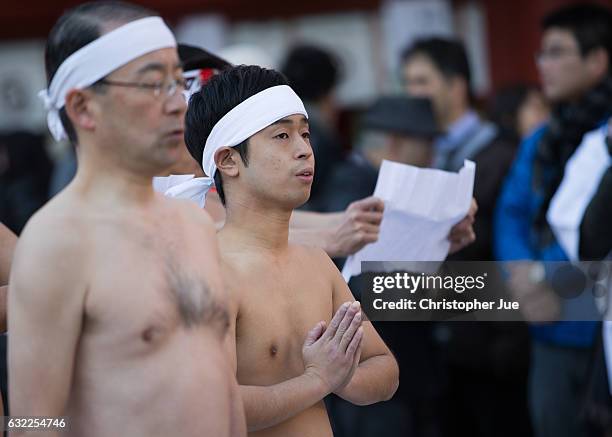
column 340, row 233
column 117, row 317
column 298, row 338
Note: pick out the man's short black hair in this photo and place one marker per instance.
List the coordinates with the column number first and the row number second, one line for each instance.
column 78, row 27
column 447, row 55
column 590, row 24
column 217, row 97
column 312, row 71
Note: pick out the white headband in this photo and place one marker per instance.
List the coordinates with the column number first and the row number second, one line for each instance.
column 242, row 122
column 99, row 58
column 249, row 117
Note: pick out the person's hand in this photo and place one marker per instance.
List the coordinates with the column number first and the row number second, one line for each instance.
column 329, row 354
column 462, row 234
column 527, row 285
column 359, row 225
column 340, row 390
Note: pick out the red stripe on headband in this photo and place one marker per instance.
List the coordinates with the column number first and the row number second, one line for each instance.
column 206, row 74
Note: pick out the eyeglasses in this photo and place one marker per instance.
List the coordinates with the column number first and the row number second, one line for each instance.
column 192, row 83
column 554, row 54
column 168, row 89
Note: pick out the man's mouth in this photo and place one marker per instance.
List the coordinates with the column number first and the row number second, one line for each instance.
column 306, row 174
column 177, row 132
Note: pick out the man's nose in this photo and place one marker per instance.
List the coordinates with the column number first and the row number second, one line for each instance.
column 304, row 149
column 176, row 104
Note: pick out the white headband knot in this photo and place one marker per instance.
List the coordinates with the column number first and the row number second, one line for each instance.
column 242, row 122
column 99, row 58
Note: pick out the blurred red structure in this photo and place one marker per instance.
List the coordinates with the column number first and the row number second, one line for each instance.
column 513, row 25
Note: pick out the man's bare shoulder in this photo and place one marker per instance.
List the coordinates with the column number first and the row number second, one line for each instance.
column 190, row 211
column 55, row 227
column 312, row 256
column 51, row 255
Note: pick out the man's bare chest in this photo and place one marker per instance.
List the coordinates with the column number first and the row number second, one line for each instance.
column 147, row 290
column 275, row 314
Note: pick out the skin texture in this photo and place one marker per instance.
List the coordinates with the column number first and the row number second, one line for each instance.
column 8, row 241
column 126, row 317
column 290, row 352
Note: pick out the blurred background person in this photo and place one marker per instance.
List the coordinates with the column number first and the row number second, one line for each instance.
column 400, row 129
column 574, row 64
column 313, row 73
column 518, row 110
column 396, row 128
column 25, row 171
column 438, row 68
column 8, row 241
column 476, row 404
column 580, row 214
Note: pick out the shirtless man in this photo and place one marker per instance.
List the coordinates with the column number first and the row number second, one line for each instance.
column 339, row 234
column 8, row 240
column 297, row 337
column 117, row 317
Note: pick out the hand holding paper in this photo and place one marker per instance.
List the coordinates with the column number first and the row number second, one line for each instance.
column 421, row 206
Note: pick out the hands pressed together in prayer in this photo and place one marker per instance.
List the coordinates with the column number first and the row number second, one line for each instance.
column 331, row 354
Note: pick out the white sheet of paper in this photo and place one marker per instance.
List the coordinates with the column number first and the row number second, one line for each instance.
column 583, row 173
column 421, row 206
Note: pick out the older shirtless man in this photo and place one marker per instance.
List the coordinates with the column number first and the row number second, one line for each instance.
column 8, row 240
column 117, row 315
column 298, row 337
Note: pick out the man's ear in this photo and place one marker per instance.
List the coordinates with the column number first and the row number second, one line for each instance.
column 79, row 109
column 598, row 61
column 459, row 89
column 226, row 160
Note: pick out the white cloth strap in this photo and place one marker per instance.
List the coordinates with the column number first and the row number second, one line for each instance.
column 99, row 58
column 583, row 173
column 184, row 187
column 249, row 117
column 242, row 122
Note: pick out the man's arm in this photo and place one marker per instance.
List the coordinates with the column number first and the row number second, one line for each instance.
column 8, row 241
column 328, row 358
column 266, row 406
column 376, row 376
column 46, row 301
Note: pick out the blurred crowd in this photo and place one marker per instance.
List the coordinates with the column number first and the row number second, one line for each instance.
column 477, row 379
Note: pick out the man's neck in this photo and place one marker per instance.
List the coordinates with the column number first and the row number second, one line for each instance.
column 111, row 183
column 251, row 226
column 453, row 116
